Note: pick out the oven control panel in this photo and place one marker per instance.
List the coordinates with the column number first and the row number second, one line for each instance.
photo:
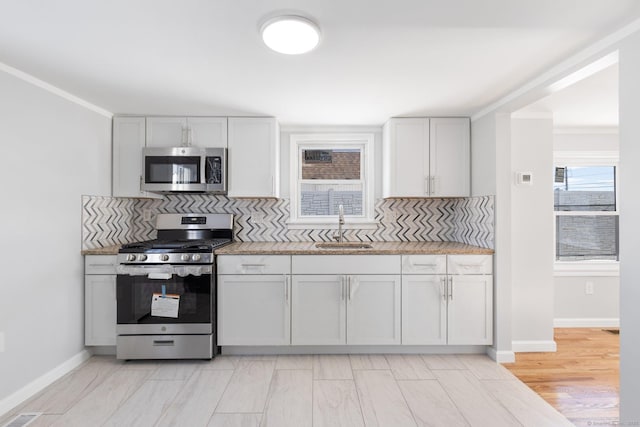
column 166, row 258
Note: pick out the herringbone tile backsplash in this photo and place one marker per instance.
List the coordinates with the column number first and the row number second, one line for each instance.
column 110, row 220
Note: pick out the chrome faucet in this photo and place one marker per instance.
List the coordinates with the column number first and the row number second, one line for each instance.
column 339, row 237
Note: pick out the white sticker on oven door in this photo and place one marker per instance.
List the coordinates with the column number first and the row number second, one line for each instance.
column 165, row 305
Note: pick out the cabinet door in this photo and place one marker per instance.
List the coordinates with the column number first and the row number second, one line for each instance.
column 128, row 142
column 100, row 309
column 207, row 132
column 373, row 309
column 470, row 311
column 253, row 156
column 450, row 160
column 253, row 310
column 424, row 309
column 166, row 131
column 318, row 314
column 405, row 158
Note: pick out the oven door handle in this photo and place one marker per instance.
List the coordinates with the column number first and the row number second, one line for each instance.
column 160, row 276
column 163, row 272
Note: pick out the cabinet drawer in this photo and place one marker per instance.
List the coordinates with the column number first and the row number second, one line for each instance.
column 254, row 264
column 424, row 264
column 345, row 264
column 100, row 264
column 470, row 264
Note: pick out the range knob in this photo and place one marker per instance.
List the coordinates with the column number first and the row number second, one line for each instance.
column 196, row 257
column 184, row 257
column 142, row 257
column 164, row 257
column 131, row 257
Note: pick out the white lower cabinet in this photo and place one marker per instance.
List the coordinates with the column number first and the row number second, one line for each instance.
column 355, row 300
column 319, row 312
column 441, row 308
column 345, row 309
column 470, row 312
column 349, row 307
column 373, row 309
column 424, row 310
column 254, row 308
column 100, row 300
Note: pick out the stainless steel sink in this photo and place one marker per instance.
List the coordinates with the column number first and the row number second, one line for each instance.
column 343, row 245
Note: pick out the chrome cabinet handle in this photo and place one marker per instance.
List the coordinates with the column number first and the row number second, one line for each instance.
column 443, row 286
column 432, row 185
column 349, row 286
column 286, row 287
column 427, row 187
column 341, row 288
column 451, row 288
column 253, row 265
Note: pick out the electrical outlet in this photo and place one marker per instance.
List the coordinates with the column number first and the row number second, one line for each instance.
column 588, row 288
column 1, row 342
column 146, row 214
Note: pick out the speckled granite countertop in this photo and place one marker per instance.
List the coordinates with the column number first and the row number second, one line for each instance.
column 378, row 248
column 107, row 250
column 309, row 248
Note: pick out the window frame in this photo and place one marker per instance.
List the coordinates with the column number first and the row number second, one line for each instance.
column 586, row 267
column 328, row 141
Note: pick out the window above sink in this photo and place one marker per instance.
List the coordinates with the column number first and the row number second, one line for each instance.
column 328, row 170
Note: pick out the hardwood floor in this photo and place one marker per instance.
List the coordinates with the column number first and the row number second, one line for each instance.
column 581, row 380
column 321, row 390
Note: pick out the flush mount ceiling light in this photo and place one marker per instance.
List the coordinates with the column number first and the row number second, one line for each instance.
column 291, row 35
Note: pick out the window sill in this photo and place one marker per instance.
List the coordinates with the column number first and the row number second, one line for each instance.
column 586, row 268
column 350, row 224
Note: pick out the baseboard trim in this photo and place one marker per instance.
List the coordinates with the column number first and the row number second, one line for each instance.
column 501, row 356
column 13, row 400
column 586, row 323
column 533, row 346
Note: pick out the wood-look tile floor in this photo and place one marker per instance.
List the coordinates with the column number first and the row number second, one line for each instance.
column 298, row 391
column 581, row 379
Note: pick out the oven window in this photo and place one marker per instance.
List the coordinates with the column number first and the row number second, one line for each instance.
column 135, row 294
column 172, row 170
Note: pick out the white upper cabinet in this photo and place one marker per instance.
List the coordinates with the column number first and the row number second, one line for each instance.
column 254, row 157
column 425, row 157
column 405, row 158
column 187, row 131
column 128, row 142
column 450, row 158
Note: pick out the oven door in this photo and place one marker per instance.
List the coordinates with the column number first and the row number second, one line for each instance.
column 164, row 299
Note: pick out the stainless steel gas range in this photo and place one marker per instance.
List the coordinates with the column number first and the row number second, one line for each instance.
column 166, row 289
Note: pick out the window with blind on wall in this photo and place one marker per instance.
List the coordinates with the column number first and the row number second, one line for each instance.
column 586, row 212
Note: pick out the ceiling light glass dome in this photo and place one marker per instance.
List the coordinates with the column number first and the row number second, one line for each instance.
column 291, row 35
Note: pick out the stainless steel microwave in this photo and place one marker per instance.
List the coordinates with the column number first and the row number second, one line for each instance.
column 184, row 169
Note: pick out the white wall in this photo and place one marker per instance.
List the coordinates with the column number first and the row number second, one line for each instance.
column 490, row 175
column 629, row 107
column 532, row 235
column 586, row 139
column 483, row 156
column 53, row 151
column 573, row 307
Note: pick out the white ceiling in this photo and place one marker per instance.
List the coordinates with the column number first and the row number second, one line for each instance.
column 377, row 59
column 592, row 101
